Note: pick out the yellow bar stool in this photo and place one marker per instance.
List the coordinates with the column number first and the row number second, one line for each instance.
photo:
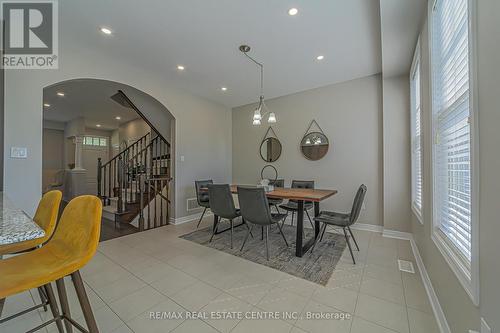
column 73, row 244
column 46, row 218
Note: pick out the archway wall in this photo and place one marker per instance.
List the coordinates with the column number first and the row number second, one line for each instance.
column 202, row 131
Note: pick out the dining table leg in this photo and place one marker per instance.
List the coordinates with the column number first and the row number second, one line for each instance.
column 316, row 222
column 299, row 248
column 300, row 228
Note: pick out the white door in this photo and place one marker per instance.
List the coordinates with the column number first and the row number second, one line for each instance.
column 90, row 156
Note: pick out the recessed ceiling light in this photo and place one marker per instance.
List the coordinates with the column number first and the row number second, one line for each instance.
column 180, row 67
column 60, row 94
column 106, row 31
column 293, row 11
column 118, row 117
column 98, row 125
column 223, row 88
column 320, row 57
column 46, row 105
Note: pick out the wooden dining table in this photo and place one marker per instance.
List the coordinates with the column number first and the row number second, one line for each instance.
column 15, row 225
column 301, row 195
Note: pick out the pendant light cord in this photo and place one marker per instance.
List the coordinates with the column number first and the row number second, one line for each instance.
column 261, row 75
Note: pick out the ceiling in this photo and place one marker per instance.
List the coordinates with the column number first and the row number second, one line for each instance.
column 204, row 36
column 89, row 99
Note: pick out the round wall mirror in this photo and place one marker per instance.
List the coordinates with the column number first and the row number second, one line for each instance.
column 314, row 146
column 270, row 149
column 269, row 172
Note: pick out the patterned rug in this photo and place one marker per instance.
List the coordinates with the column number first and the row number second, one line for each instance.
column 316, row 267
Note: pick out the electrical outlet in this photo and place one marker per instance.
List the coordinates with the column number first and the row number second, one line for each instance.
column 182, row 158
column 18, row 152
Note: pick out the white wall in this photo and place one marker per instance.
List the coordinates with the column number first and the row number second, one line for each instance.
column 396, row 143
column 349, row 114
column 203, row 127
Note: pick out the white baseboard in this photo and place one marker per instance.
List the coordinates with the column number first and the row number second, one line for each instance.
column 431, row 294
column 367, row 227
column 397, row 234
column 189, row 218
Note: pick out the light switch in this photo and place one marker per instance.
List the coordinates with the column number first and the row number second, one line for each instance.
column 182, row 158
column 18, row 152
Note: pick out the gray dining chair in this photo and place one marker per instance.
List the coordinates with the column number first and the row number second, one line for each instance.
column 202, row 196
column 274, row 202
column 222, row 205
column 344, row 221
column 292, row 205
column 255, row 209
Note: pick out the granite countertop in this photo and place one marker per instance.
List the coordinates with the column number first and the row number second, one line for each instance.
column 15, row 225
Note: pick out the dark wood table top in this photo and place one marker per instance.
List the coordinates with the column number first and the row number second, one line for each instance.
column 305, row 194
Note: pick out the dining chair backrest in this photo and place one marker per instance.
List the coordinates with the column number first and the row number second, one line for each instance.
column 302, row 184
column 221, row 200
column 357, row 204
column 202, row 195
column 254, row 205
column 77, row 234
column 277, row 183
column 47, row 211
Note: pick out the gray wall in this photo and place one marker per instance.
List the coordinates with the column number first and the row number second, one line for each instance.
column 2, row 83
column 396, row 138
column 489, row 137
column 202, row 132
column 349, row 114
column 460, row 312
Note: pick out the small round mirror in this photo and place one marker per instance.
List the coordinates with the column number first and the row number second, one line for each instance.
column 270, row 149
column 314, row 146
column 269, row 172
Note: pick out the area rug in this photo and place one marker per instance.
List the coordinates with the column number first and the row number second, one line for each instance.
column 316, row 267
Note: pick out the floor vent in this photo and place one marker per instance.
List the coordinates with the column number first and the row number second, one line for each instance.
column 406, row 266
column 192, row 204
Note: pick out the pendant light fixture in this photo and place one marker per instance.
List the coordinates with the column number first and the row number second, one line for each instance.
column 262, row 109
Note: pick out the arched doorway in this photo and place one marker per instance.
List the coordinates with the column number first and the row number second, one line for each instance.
column 111, row 140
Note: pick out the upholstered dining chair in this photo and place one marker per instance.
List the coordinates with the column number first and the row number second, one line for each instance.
column 222, row 205
column 255, row 209
column 274, row 202
column 292, row 205
column 344, row 221
column 46, row 218
column 71, row 247
column 202, row 196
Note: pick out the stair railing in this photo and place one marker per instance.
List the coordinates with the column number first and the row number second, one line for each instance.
column 107, row 173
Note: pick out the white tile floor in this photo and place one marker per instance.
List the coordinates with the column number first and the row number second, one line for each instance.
column 156, row 271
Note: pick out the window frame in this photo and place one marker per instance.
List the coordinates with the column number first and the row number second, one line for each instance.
column 416, row 62
column 94, row 137
column 468, row 275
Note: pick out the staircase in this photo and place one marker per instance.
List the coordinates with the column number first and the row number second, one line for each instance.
column 134, row 185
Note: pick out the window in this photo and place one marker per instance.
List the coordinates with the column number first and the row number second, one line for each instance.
column 416, row 138
column 454, row 187
column 95, row 141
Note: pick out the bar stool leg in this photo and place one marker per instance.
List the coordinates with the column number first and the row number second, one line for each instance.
column 84, row 302
column 53, row 306
column 2, row 302
column 43, row 299
column 63, row 299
